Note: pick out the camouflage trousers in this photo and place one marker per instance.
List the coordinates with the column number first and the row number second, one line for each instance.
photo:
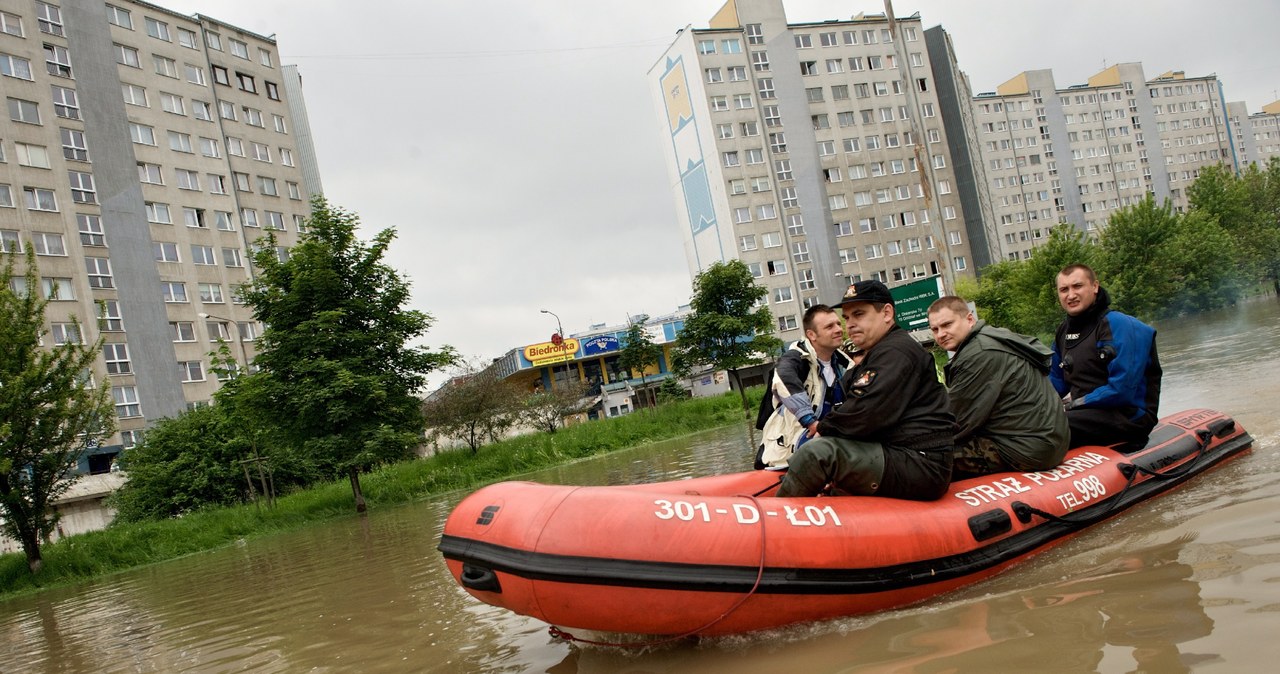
column 978, row 456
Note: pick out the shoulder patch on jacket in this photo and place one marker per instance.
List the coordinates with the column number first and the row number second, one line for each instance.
column 865, row 378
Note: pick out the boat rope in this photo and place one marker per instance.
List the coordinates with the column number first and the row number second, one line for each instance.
column 772, row 486
column 1024, row 511
column 558, row 633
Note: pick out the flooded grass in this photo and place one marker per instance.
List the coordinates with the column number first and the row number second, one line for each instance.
column 133, row 545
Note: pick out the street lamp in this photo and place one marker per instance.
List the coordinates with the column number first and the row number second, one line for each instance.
column 559, row 328
column 239, row 341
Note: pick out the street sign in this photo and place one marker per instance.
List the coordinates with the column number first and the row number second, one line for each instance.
column 911, row 302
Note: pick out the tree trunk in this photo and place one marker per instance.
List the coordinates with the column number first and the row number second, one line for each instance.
column 31, row 546
column 737, row 380
column 354, row 474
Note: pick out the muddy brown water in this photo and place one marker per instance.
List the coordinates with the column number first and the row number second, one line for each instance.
column 1187, row 582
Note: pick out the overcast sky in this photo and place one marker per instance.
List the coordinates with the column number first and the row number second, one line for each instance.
column 515, row 148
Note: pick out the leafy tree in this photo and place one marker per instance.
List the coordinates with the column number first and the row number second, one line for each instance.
column 473, row 406
column 729, row 328
column 547, row 410
column 1247, row 207
column 1021, row 294
column 1158, row 263
column 338, row 375
column 48, row 416
column 639, row 352
column 671, row 391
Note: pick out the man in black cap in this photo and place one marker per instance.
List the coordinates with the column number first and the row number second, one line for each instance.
column 893, row 434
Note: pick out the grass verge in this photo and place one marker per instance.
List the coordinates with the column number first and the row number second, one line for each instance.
column 126, row 546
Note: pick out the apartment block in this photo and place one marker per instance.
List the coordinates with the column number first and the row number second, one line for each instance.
column 1078, row 154
column 813, row 152
column 144, row 163
column 1263, row 134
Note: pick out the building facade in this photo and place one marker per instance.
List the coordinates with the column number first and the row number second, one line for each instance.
column 1080, row 153
column 814, row 153
column 143, row 163
column 1263, row 135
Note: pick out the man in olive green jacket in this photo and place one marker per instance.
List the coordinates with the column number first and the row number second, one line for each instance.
column 1010, row 416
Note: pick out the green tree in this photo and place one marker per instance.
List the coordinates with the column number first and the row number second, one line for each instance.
column 639, row 352
column 671, row 391
column 473, row 406
column 546, row 410
column 1021, row 294
column 729, row 328
column 338, row 375
column 48, row 415
column 1247, row 207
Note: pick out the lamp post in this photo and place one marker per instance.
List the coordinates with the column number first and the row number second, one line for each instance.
column 239, row 341
column 560, row 332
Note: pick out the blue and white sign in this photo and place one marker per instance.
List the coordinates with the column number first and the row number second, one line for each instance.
column 593, row 346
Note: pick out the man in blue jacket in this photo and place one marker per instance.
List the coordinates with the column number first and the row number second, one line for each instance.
column 1104, row 365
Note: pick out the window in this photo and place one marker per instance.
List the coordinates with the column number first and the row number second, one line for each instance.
column 49, row 18
column 795, row 224
column 755, row 34
column 844, row 228
column 813, row 94
column 766, row 212
column 239, row 48
column 719, row 103
column 150, row 173
column 158, row 29
column 760, row 184
column 786, row 323
column 223, row 221
column 209, row 147
column 134, row 95
column 202, row 255
column 782, row 168
column 755, row 156
column 777, row 267
column 771, row 239
column 40, row 199
column 165, row 251
column 180, row 142
column 778, row 142
column 231, row 257
column 264, row 57
column 278, row 122
column 65, row 102
column 142, row 134
column 724, row 131
column 165, row 66
column 730, row 159
column 65, row 333
column 99, row 272
column 790, row 198
column 109, row 316
column 201, row 111
column 760, row 61
column 213, row 41
column 848, row 255
column 172, row 103
column 800, row 252
column 273, row 92
column 48, row 243
column 246, row 83
column 15, row 66
column 782, row 294
column 158, row 213
column 706, row 46
column 57, row 288
column 73, row 145
column 732, row 46
column 749, row 129
column 742, row 101
column 82, row 187
column 217, row 183
column 742, row 214
column 187, row 38
column 261, row 152
column 11, row 24
column 217, row 331
column 808, row 67
column 24, row 111
column 235, row 146
column 6, row 200
column 90, row 227
column 183, row 331
column 193, row 217
column 873, row 251
column 174, row 291
column 126, row 399
column 220, row 75
column 194, row 74
column 117, row 358
column 838, row 201
column 959, row 263
column 747, row 243
column 275, row 221
column 190, row 370
column 713, row 75
column 248, row 217
column 32, row 155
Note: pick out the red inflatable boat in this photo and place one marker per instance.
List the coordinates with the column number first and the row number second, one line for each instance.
column 721, row 555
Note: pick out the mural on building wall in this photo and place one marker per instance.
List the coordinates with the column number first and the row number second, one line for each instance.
column 683, row 127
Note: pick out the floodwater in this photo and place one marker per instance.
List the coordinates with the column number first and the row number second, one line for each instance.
column 1187, row 582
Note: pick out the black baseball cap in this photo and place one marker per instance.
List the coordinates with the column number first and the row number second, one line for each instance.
column 869, row 290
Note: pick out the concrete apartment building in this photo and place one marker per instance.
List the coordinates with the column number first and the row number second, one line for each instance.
column 142, row 162
column 1262, row 134
column 815, row 153
column 1080, row 153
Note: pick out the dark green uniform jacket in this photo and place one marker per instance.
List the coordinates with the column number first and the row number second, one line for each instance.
column 999, row 386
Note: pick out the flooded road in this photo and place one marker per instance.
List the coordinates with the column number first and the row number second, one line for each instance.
column 1187, row 582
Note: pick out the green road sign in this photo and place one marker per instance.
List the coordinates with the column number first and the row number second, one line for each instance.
column 911, row 302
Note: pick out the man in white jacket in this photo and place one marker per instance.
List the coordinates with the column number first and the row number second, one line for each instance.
column 804, row 385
